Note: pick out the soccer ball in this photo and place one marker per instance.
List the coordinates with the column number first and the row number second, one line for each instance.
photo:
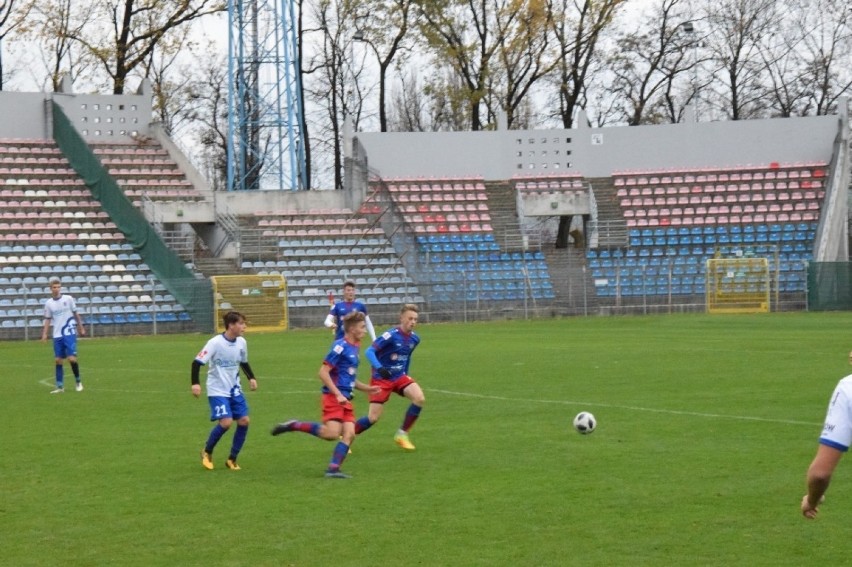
column 585, row 422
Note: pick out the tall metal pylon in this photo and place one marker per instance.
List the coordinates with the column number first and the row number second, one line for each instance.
column 266, row 149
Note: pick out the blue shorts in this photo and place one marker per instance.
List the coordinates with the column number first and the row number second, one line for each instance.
column 65, row 346
column 221, row 407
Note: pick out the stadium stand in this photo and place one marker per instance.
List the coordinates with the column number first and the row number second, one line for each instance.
column 51, row 226
column 679, row 219
column 318, row 249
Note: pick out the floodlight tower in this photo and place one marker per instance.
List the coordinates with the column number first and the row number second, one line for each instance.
column 266, row 149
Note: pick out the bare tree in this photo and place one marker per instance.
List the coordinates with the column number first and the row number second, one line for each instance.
column 648, row 61
column 51, row 24
column 461, row 36
column 524, row 56
column 737, row 27
column 12, row 14
column 384, row 27
column 136, row 27
column 578, row 27
column 826, row 51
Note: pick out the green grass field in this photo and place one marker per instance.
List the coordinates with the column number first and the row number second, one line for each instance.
column 706, row 427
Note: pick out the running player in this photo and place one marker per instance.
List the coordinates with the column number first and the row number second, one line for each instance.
column 390, row 356
column 60, row 310
column 227, row 353
column 340, row 309
column 338, row 377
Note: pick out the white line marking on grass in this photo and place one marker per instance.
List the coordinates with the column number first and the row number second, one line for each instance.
column 632, row 408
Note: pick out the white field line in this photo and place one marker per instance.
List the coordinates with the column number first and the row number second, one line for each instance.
column 49, row 382
column 626, row 407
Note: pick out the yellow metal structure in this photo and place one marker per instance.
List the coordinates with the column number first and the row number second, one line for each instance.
column 262, row 299
column 738, row 285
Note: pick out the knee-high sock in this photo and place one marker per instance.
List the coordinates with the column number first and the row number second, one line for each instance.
column 309, row 427
column 340, row 452
column 75, row 368
column 215, row 434
column 239, row 439
column 363, row 424
column 410, row 417
column 60, row 375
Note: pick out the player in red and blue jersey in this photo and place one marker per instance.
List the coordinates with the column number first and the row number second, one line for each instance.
column 338, row 376
column 343, row 308
column 390, row 355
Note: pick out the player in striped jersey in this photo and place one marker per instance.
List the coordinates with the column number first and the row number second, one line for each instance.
column 338, row 377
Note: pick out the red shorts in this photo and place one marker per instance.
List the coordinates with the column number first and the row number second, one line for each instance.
column 388, row 387
column 332, row 410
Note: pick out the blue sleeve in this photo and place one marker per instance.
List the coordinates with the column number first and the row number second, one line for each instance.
column 371, row 356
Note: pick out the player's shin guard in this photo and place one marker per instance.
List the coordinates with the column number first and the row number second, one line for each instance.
column 410, row 417
column 60, row 375
column 239, row 440
column 363, row 424
column 215, row 434
column 340, row 452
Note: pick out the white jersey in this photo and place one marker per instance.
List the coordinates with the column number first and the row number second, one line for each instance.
column 223, row 373
column 837, row 431
column 61, row 314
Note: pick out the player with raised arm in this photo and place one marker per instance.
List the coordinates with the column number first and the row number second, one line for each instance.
column 338, row 376
column 390, row 355
column 341, row 309
column 226, row 354
column 60, row 311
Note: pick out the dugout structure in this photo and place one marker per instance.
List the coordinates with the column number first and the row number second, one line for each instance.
column 262, row 299
column 738, row 285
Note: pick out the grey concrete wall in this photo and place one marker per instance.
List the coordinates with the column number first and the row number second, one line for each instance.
column 598, row 152
column 22, row 115
column 98, row 118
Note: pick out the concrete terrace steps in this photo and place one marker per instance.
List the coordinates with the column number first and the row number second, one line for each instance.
column 503, row 207
column 612, row 228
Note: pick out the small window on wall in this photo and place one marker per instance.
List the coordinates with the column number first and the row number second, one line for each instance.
column 556, row 165
column 544, row 140
column 97, row 132
column 123, row 132
column 519, row 154
column 109, row 119
column 568, row 165
column 531, row 141
column 84, row 119
column 555, row 140
column 135, row 120
column 83, row 106
column 567, row 140
column 122, row 119
column 121, row 107
column 133, row 107
column 519, row 141
column 567, row 152
column 544, row 153
column 134, row 133
column 532, row 153
column 544, row 165
column 85, row 132
column 519, row 166
column 97, row 120
column 531, row 166
column 96, row 107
